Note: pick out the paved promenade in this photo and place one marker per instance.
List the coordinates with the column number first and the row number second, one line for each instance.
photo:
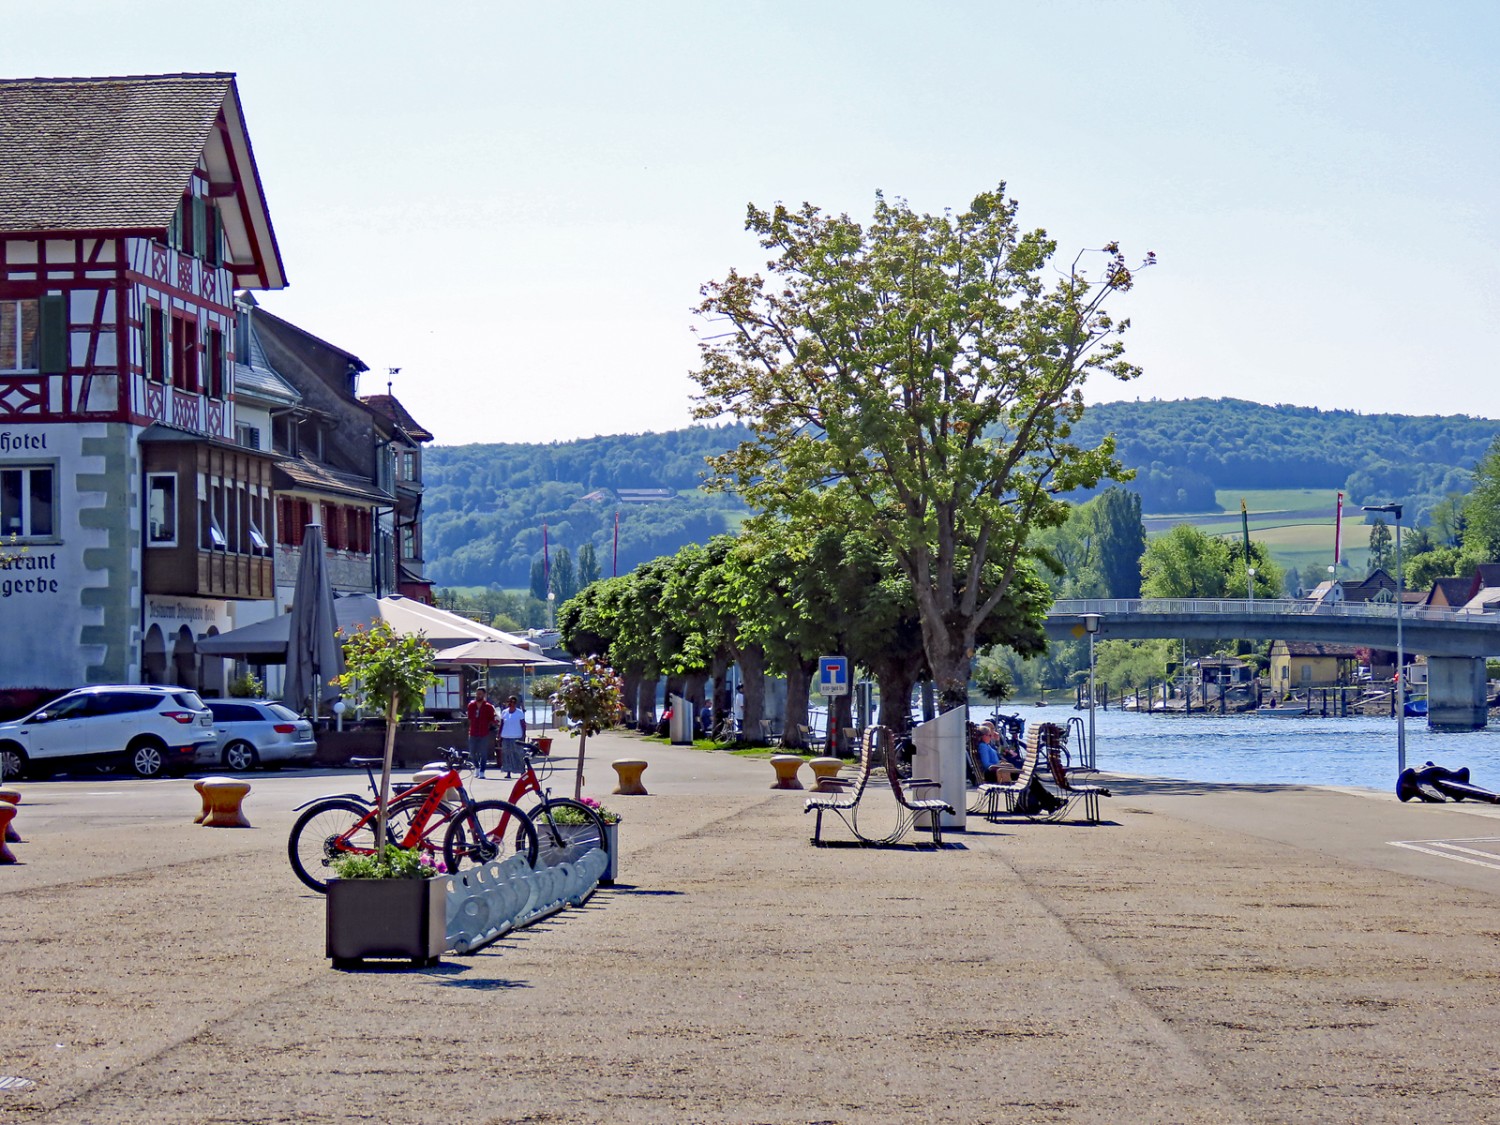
column 1216, row 954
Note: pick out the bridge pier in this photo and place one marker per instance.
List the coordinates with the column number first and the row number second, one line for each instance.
column 1457, row 693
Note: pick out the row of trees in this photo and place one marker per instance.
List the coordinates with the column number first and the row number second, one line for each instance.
column 773, row 599
column 783, row 593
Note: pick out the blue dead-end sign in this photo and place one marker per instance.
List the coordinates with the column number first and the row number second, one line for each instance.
column 833, row 675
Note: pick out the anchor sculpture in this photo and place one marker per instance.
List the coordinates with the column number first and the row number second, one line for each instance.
column 1435, row 784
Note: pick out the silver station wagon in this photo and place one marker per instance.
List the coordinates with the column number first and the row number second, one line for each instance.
column 257, row 732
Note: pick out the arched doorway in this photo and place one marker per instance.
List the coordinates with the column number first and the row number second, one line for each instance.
column 185, row 659
column 154, row 657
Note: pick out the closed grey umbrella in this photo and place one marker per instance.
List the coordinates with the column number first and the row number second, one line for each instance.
column 313, row 653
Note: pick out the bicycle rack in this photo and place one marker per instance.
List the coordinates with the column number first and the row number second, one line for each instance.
column 485, row 903
column 1078, row 736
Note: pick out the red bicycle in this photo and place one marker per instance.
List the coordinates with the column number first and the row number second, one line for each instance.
column 565, row 828
column 472, row 832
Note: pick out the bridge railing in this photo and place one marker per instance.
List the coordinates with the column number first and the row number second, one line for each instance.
column 1267, row 607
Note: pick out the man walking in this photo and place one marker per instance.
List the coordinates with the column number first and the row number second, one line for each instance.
column 512, row 730
column 481, row 729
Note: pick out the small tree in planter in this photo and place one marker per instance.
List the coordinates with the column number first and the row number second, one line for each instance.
column 592, row 699
column 391, row 671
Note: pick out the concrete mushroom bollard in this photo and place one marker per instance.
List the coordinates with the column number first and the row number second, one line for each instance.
column 203, row 812
column 224, row 796
column 825, row 770
column 629, row 771
column 786, row 767
column 7, row 814
column 11, row 797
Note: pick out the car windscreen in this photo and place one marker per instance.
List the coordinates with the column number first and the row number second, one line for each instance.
column 282, row 711
column 189, row 699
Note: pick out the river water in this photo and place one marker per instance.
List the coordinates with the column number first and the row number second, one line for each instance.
column 1264, row 748
column 1256, row 749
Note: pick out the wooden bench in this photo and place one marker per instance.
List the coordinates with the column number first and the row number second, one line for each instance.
column 878, row 739
column 1088, row 794
column 844, row 795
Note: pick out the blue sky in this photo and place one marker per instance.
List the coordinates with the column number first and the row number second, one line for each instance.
column 516, row 204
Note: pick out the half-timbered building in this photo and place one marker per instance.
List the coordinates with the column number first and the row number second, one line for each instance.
column 130, row 213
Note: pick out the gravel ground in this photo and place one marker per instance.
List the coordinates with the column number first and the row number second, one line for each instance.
column 1224, row 954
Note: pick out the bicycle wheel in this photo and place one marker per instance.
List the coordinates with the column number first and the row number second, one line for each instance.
column 477, row 834
column 324, row 832
column 565, row 829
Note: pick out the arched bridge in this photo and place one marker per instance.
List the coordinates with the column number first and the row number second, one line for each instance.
column 1455, row 641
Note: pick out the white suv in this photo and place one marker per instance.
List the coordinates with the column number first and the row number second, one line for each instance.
column 152, row 729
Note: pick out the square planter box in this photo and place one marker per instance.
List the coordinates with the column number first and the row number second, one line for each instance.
column 405, row 918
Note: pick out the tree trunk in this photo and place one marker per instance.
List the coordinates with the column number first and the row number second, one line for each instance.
column 798, row 682
column 583, row 737
column 753, row 673
column 391, row 718
column 896, row 683
column 632, row 693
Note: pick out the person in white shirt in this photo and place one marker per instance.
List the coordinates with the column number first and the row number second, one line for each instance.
column 512, row 731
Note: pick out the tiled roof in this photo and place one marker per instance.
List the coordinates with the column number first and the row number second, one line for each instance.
column 1317, row 648
column 312, row 476
column 388, row 406
column 102, row 153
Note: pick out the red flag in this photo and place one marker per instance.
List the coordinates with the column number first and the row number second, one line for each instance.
column 1338, row 532
column 617, row 544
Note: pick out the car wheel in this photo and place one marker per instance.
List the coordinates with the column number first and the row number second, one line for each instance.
column 240, row 756
column 12, row 761
column 147, row 758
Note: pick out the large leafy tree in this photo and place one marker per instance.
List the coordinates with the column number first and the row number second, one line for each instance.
column 1481, row 529
column 928, row 361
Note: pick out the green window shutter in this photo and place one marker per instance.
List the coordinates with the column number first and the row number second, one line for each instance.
column 54, row 332
column 215, row 236
column 200, row 228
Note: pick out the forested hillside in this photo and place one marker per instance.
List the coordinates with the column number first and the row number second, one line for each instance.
column 486, row 504
column 1184, row 450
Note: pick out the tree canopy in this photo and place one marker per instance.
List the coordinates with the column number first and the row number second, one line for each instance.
column 927, row 362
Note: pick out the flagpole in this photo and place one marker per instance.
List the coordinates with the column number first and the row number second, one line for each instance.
column 617, row 544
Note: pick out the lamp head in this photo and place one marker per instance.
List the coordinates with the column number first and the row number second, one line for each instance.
column 1389, row 509
column 1091, row 622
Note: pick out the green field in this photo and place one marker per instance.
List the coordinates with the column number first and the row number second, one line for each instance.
column 1295, row 524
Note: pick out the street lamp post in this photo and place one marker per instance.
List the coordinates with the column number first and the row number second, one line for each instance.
column 1250, row 584
column 1395, row 510
column 1091, row 622
column 551, row 607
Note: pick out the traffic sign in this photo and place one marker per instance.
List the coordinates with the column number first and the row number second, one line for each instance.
column 833, row 675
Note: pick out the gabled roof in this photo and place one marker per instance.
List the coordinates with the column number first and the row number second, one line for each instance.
column 388, row 406
column 1450, row 591
column 116, row 154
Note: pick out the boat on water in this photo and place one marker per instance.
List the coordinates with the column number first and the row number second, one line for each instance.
column 1416, row 708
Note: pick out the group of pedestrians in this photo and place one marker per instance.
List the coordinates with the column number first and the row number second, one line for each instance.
column 485, row 723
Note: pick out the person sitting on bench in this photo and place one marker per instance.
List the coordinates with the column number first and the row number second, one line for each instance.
column 997, row 763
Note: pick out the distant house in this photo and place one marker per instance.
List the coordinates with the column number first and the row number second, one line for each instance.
column 1304, row 664
column 645, row 495
column 1449, row 593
